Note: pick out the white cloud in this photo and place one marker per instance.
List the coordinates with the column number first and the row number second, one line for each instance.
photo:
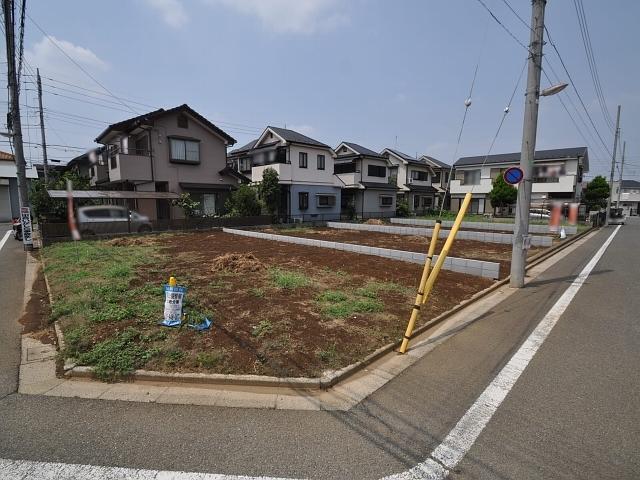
column 291, row 16
column 51, row 61
column 172, row 11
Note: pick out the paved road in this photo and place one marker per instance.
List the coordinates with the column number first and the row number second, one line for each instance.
column 573, row 414
column 12, row 265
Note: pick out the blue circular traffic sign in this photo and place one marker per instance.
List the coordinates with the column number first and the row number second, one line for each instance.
column 513, row 175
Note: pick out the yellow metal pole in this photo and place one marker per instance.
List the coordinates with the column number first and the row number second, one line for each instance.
column 428, row 286
column 423, row 280
column 432, row 249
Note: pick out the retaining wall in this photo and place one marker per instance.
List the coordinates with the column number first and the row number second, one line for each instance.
column 477, row 268
column 490, row 237
column 508, row 227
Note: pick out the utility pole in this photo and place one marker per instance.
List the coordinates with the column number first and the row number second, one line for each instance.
column 624, row 147
column 15, row 127
column 529, row 131
column 613, row 166
column 44, row 140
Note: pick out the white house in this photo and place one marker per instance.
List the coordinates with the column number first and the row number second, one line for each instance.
column 9, row 204
column 557, row 175
column 414, row 180
column 629, row 196
column 304, row 167
column 367, row 179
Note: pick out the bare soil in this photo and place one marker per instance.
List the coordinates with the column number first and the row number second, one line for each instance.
column 491, row 252
column 261, row 328
column 35, row 319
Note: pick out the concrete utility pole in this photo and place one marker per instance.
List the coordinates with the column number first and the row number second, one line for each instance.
column 613, row 166
column 529, row 131
column 15, row 127
column 624, row 147
column 44, row 140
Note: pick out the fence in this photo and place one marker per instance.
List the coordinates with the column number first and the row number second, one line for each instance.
column 318, row 218
column 58, row 231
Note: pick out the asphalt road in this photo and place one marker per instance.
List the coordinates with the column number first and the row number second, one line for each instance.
column 574, row 413
column 12, row 265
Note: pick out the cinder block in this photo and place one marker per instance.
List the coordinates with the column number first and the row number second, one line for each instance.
column 475, row 271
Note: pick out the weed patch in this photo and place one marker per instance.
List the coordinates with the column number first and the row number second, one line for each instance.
column 211, row 359
column 288, row 279
column 262, row 328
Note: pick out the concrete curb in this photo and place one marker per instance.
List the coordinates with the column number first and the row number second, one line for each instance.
column 508, row 227
column 490, row 237
column 478, row 268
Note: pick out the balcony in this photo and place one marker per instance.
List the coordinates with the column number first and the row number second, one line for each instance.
column 283, row 169
column 130, row 167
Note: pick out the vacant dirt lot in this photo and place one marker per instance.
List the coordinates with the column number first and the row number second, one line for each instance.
column 278, row 309
column 492, row 252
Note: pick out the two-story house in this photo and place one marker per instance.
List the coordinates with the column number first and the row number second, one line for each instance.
column 629, row 196
column 419, row 180
column 305, row 172
column 557, row 175
column 440, row 179
column 368, row 181
column 176, row 150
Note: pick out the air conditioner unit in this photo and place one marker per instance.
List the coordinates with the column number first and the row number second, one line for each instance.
column 410, row 179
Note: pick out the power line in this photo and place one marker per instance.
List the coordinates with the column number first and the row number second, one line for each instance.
column 504, row 26
column 80, row 66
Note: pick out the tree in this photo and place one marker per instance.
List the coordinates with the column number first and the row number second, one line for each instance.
column 43, row 205
column 502, row 193
column 402, row 208
column 596, row 193
column 243, row 202
column 188, row 205
column 269, row 190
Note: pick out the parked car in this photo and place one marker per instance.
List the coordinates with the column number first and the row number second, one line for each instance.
column 539, row 213
column 107, row 219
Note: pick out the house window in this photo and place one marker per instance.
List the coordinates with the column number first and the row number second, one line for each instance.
column 436, row 178
column 320, row 162
column 344, row 150
column 469, row 177
column 245, row 164
column 386, row 200
column 114, row 161
column 420, row 176
column 416, row 202
column 303, row 200
column 377, row 171
column 427, row 202
column 344, row 167
column 185, row 151
column 326, row 200
column 183, row 122
column 92, row 172
column 302, row 159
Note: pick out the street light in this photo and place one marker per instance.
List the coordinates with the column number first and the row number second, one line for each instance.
column 547, row 92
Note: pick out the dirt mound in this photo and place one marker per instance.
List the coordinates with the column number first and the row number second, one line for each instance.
column 237, row 263
column 125, row 242
column 374, row 221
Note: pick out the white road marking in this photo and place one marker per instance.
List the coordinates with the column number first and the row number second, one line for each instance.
column 4, row 239
column 437, row 467
column 462, row 437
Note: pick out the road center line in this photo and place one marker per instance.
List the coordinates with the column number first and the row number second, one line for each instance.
column 462, row 437
column 4, row 239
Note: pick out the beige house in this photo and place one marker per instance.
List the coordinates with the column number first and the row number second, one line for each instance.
column 176, row 150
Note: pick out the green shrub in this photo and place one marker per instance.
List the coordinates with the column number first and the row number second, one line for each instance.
column 288, row 279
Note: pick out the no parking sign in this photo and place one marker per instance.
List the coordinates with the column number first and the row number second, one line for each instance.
column 513, row 175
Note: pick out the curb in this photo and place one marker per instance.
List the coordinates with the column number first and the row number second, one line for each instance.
column 322, row 383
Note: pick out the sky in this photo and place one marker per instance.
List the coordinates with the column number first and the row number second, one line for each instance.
column 380, row 73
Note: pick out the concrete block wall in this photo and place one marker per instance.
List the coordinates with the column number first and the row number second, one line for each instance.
column 508, row 227
column 477, row 268
column 490, row 237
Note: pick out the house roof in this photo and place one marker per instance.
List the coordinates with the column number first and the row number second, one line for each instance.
column 630, row 184
column 437, row 162
column 379, row 186
column 421, row 188
column 360, row 150
column 406, row 158
column 146, row 118
column 296, row 137
column 244, row 148
column 6, row 156
column 235, row 174
column 540, row 155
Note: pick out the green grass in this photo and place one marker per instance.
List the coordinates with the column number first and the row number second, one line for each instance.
column 328, row 355
column 342, row 304
column 211, row 359
column 288, row 279
column 332, row 296
column 257, row 292
column 372, row 289
column 117, row 357
column 263, row 328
